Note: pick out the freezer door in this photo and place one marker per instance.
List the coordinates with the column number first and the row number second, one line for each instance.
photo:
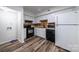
column 67, row 18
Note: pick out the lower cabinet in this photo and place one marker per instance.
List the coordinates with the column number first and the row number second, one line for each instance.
column 40, row 32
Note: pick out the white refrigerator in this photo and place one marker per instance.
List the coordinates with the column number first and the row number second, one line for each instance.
column 67, row 31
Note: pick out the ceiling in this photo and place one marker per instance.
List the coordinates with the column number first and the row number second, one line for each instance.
column 37, row 9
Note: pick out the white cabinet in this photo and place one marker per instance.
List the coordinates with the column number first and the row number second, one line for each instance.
column 40, row 32
column 36, row 20
column 36, row 31
column 49, row 17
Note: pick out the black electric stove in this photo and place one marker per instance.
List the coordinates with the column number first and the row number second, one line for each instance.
column 29, row 32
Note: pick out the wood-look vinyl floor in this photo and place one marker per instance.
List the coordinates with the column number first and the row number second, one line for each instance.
column 33, row 44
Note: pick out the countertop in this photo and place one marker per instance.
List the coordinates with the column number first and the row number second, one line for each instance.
column 47, row 28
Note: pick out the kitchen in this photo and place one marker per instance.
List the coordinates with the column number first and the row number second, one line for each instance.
column 40, row 29
column 64, row 19
column 43, row 29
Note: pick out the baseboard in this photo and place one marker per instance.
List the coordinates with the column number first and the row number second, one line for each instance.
column 63, row 48
column 6, row 41
column 28, row 38
column 40, row 37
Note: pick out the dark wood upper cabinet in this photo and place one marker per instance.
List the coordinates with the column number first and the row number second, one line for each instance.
column 27, row 23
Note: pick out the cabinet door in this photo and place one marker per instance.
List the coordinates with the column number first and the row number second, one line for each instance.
column 67, row 18
column 51, row 18
column 42, row 32
column 66, row 36
column 35, row 31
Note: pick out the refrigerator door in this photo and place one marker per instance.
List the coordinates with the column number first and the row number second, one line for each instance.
column 67, row 37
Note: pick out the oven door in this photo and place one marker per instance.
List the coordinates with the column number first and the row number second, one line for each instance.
column 30, row 32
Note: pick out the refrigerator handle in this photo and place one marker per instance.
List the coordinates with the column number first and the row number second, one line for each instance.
column 56, row 20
